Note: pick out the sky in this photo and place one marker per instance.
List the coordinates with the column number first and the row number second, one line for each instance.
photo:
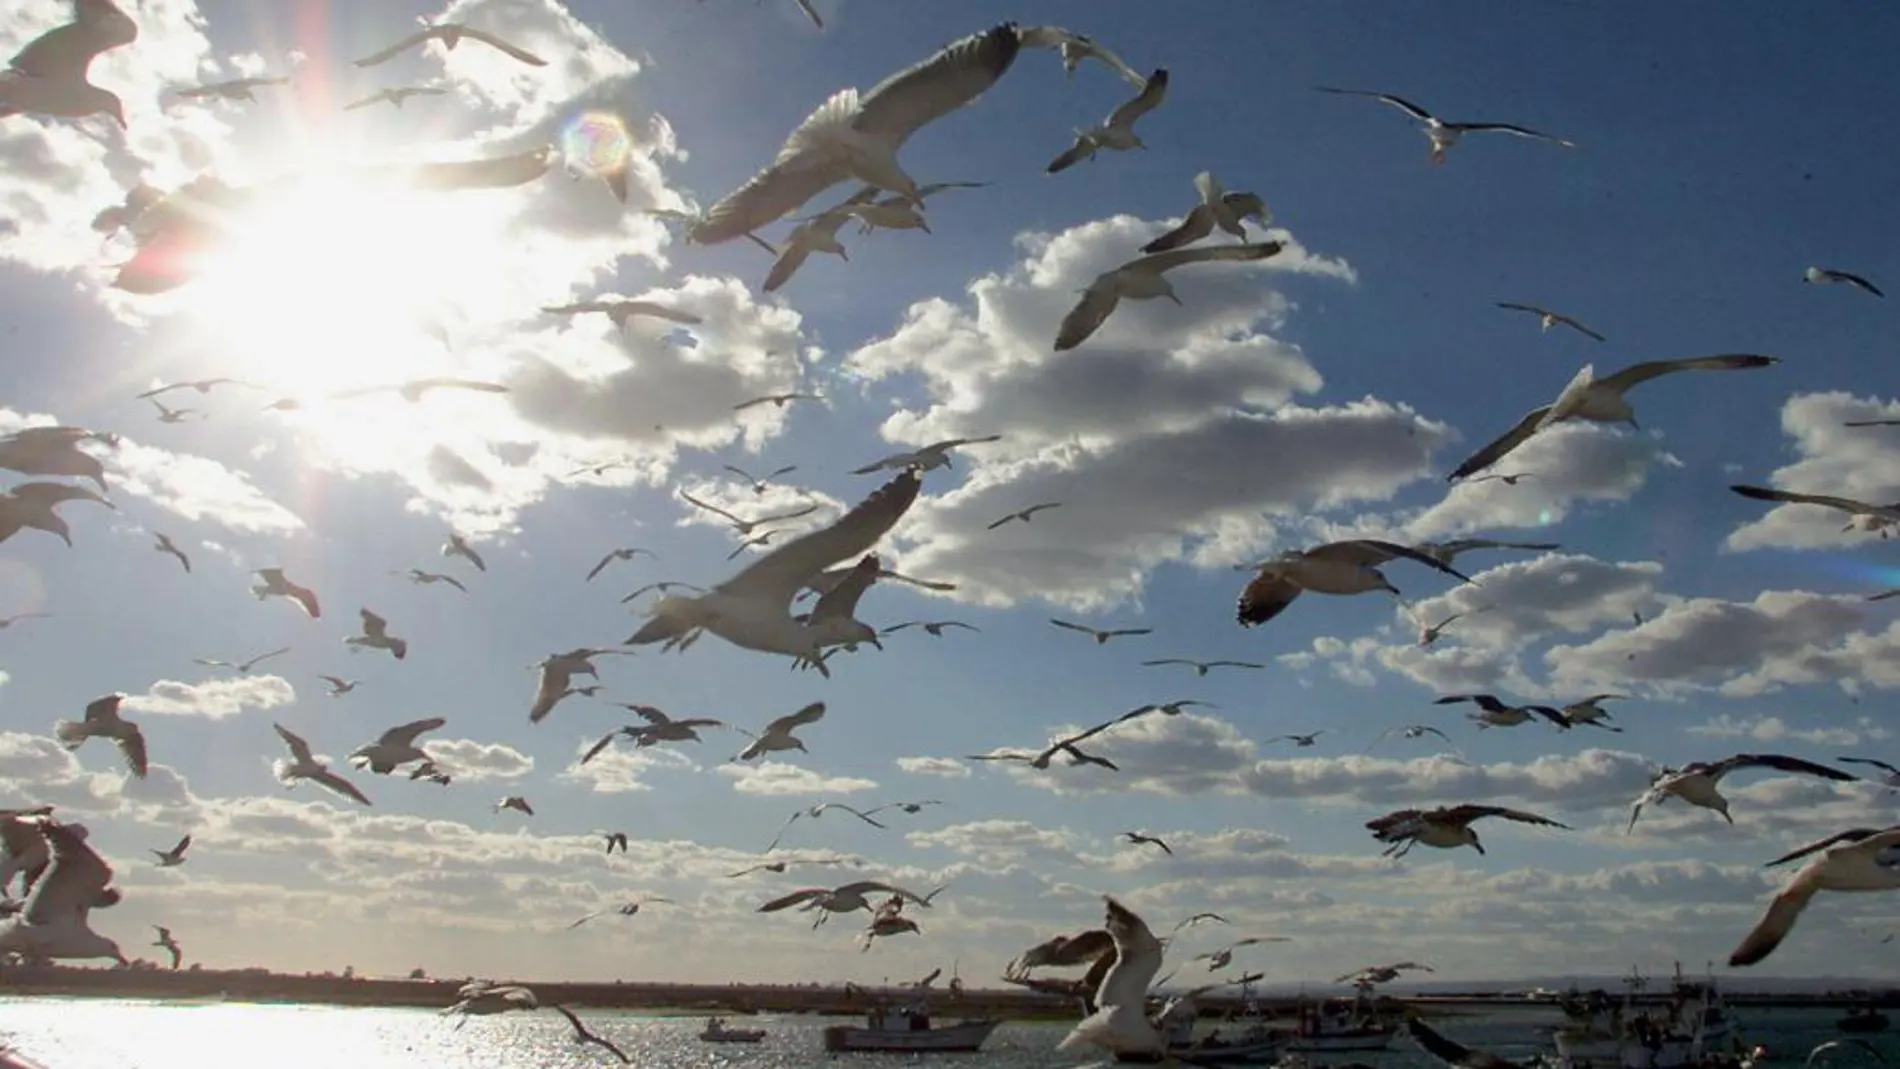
column 1320, row 394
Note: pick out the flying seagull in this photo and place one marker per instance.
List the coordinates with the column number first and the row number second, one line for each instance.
column 1497, row 713
column 395, row 95
column 457, row 546
column 759, row 483
column 170, row 945
column 1590, row 710
column 426, row 578
column 819, row 233
column 583, row 1037
column 275, row 584
column 625, row 909
column 102, row 721
column 166, row 545
column 1201, row 668
column 1140, row 280
column 234, row 89
column 776, row 400
column 514, row 802
column 1446, row 552
column 848, row 898
column 1892, row 778
column 1446, row 828
column 778, row 734
column 376, row 636
column 1100, row 636
column 1444, row 135
column 1872, row 423
column 173, row 415
column 1551, row 319
column 858, row 136
column 413, row 390
column 817, row 811
column 1220, row 959
column 241, row 667
column 1823, row 274
column 1430, row 633
column 1600, row 401
column 931, row 627
column 1340, row 568
column 622, row 311
column 49, row 75
column 1871, row 515
column 1139, row 839
column 744, row 526
column 302, row 764
column 175, row 856
column 203, row 386
column 622, row 554
column 9, row 621
column 1859, row 859
column 1311, row 738
column 53, row 921
column 1073, row 48
column 1696, row 783
column 450, row 34
column 394, row 747
column 930, row 457
column 1118, row 130
column 557, row 675
column 35, row 505
column 1229, row 211
column 338, row 685
column 1832, row 1045
column 1025, row 514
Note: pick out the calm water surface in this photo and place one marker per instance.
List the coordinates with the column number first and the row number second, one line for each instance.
column 107, row 1034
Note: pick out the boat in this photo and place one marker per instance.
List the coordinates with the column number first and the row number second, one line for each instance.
column 1256, row 1045
column 1339, row 1025
column 909, row 1029
column 717, row 1032
column 1691, row 1029
column 1862, row 1021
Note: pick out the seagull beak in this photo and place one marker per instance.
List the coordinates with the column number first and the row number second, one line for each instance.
column 875, row 642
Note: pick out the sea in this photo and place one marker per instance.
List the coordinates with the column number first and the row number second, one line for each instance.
column 112, row 1034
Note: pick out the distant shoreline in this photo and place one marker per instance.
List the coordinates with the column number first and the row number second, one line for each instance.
column 258, row 986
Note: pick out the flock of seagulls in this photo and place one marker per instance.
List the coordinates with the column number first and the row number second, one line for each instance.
column 855, row 137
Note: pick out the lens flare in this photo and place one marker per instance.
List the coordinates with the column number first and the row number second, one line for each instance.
column 597, row 143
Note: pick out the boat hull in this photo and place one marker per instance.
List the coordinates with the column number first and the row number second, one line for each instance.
column 1358, row 1039
column 963, row 1037
column 1265, row 1052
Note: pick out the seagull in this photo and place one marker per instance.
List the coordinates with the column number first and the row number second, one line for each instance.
column 53, row 921
column 622, row 554
column 169, row 945
column 583, row 1037
column 1497, row 714
column 1837, row 1044
column 1446, row 828
column 845, row 899
column 1590, row 711
column 1859, row 859
column 303, row 764
column 376, row 636
column 397, row 746
column 175, row 856
column 816, row 234
column 429, row 771
column 276, row 584
column 662, row 586
column 1172, row 708
column 1067, row 746
column 1201, row 668
column 622, row 311
column 338, row 685
column 1341, row 568
column 33, row 505
column 9, row 621
column 1198, row 918
column 1301, row 741
column 395, row 95
column 912, row 808
column 627, row 909
column 1508, row 480
column 450, row 34
column 1446, row 552
column 203, row 386
column 1381, row 974
column 1140, row 280
column 778, row 734
column 1118, row 130
column 166, row 545
column 1101, row 637
column 235, row 89
column 758, row 483
column 242, row 667
column 415, row 389
column 54, row 451
column 857, row 136
column 1866, row 516
column 752, row 609
column 1139, row 839
column 930, row 457
column 557, row 673
column 457, row 546
column 616, row 838
column 480, row 998
column 776, row 400
column 781, row 866
column 1872, row 423
column 1430, row 633
column 599, row 469
column 1413, row 731
column 1892, row 779
column 1456, row 1055
column 1025, row 514
column 1229, row 211
column 899, row 212
column 49, row 75
column 173, row 415
column 1443, row 134
column 884, row 925
column 1696, row 783
column 1119, row 1024
column 932, row 627
column 1600, row 401
column 745, row 527
column 1823, row 274
column 424, row 578
column 823, row 582
column 834, row 617
column 516, row 803
column 1551, row 319
column 1074, row 48
column 1220, row 959
column 662, row 728
column 817, row 811
column 102, row 721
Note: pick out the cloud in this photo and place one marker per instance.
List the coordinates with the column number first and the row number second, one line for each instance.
column 1856, row 462
column 1774, row 728
column 622, row 770
column 1569, row 464
column 213, row 699
column 998, row 842
column 778, row 779
column 471, row 761
column 946, row 767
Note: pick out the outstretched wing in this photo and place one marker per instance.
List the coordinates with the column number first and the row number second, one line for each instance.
column 779, row 574
column 1502, row 445
column 406, row 735
column 396, row 49
column 810, row 714
column 511, row 49
column 299, row 749
column 67, row 51
column 1643, row 372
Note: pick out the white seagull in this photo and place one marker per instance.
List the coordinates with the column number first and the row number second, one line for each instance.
column 395, row 95
column 1866, row 516
column 557, row 675
column 516, row 803
column 1590, row 710
column 622, row 311
column 48, row 76
column 849, row 898
column 166, row 545
column 302, row 764
column 1100, row 635
column 479, row 998
column 175, row 856
column 1496, row 713
column 624, row 553
column 1119, row 1024
column 1073, row 48
column 1600, row 401
column 1859, row 859
column 426, row 578
column 1201, row 668
column 376, row 636
column 816, row 234
column 240, row 667
column 53, row 922
column 1229, row 211
column 778, row 734
column 457, row 546
column 930, row 457
column 338, row 685
column 102, row 721
column 1551, row 319
column 1446, row 552
column 757, row 482
column 1220, row 959
column 1141, row 280
column 1340, row 568
column 1444, row 134
column 275, row 584
column 1118, row 130
column 1446, row 828
column 1024, row 515
column 450, row 34
column 857, row 136
column 394, row 747
column 1696, row 783
column 1823, row 274
column 1430, row 633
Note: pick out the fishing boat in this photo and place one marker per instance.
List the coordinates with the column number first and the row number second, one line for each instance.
column 909, row 1029
column 1691, row 1029
column 717, row 1032
column 1255, row 1045
column 1865, row 1020
column 1339, row 1025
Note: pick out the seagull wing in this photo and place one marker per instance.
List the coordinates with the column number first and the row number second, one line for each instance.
column 1372, row 551
column 1643, row 372
column 406, row 735
column 396, row 49
column 511, row 49
column 299, row 749
column 787, row 265
column 1097, row 304
column 66, row 52
column 1465, row 814
column 1509, row 128
column 715, row 509
column 810, row 714
column 841, row 601
column 337, row 783
column 1266, row 596
column 74, row 881
column 1153, row 91
column 1450, row 1052
column 1851, row 835
column 812, row 14
column 779, row 574
column 1168, row 261
column 1398, row 102
column 1881, row 765
column 131, row 743
column 1198, row 224
column 1580, row 328
column 796, row 898
column 1501, row 446
column 1779, row 762
column 1845, row 504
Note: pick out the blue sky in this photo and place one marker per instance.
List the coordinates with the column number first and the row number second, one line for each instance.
column 1321, row 394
